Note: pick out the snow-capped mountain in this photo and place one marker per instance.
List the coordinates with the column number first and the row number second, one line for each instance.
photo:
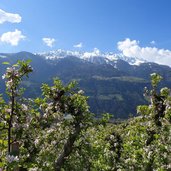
column 95, row 56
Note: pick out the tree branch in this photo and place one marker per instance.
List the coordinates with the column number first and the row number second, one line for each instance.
column 68, row 147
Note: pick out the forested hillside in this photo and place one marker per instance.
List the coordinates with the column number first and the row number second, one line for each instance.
column 114, row 87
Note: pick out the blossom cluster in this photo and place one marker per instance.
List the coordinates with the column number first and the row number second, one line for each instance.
column 11, row 158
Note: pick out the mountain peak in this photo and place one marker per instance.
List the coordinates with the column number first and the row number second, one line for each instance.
column 93, row 56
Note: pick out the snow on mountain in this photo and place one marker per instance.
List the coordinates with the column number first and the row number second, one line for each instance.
column 95, row 56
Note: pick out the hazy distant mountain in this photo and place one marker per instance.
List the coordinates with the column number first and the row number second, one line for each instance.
column 114, row 83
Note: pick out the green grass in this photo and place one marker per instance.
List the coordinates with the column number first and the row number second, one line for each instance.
column 123, row 78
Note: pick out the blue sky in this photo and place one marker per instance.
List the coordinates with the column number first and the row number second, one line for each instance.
column 44, row 25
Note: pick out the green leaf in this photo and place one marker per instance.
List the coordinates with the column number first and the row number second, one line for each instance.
column 1, row 164
column 6, row 63
column 15, row 65
column 28, row 61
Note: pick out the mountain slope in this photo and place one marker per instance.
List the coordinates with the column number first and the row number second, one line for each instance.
column 113, row 86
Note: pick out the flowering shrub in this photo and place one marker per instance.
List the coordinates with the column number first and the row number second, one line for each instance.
column 145, row 141
column 40, row 133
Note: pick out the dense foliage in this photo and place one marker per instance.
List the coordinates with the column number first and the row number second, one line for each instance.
column 57, row 131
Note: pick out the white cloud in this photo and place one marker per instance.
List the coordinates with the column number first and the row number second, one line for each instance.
column 49, row 41
column 12, row 38
column 9, row 17
column 131, row 48
column 79, row 45
column 153, row 42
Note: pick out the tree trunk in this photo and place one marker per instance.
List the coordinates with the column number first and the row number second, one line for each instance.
column 68, row 147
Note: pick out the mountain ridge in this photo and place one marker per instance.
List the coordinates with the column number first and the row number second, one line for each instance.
column 91, row 56
column 113, row 88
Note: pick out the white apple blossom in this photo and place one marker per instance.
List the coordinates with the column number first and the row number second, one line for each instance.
column 11, row 158
column 3, row 77
column 24, row 107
